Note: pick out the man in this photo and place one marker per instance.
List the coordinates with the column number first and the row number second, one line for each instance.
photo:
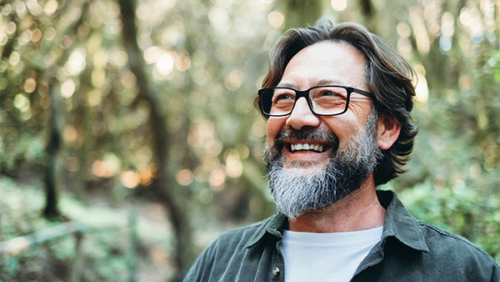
column 337, row 100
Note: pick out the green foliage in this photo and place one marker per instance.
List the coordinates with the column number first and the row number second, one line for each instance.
column 108, row 259
column 458, row 209
column 494, row 65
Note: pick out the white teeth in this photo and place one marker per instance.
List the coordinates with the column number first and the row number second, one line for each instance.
column 307, row 147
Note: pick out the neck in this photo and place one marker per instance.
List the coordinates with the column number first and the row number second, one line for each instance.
column 360, row 210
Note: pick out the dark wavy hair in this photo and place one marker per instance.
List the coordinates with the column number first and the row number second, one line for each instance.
column 387, row 74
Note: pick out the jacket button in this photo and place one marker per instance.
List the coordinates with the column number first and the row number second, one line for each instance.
column 276, row 271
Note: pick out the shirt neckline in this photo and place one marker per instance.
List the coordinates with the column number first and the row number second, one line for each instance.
column 398, row 223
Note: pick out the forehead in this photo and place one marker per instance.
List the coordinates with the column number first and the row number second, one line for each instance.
column 326, row 63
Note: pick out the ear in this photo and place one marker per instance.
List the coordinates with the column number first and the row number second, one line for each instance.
column 387, row 131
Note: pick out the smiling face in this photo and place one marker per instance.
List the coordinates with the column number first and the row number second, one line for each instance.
column 324, row 63
column 315, row 161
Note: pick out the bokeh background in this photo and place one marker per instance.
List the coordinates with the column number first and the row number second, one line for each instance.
column 129, row 139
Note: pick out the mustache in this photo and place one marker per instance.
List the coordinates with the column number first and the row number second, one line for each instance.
column 315, row 134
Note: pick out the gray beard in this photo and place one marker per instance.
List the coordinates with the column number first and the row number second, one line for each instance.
column 297, row 190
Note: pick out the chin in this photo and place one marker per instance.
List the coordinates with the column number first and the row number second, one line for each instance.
column 304, row 167
column 301, row 172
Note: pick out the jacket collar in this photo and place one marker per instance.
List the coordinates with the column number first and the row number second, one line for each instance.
column 398, row 223
column 272, row 226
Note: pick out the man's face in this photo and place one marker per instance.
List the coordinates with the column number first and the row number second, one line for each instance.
column 313, row 179
column 325, row 63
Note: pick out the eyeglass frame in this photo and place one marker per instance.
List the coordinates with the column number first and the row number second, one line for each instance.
column 305, row 94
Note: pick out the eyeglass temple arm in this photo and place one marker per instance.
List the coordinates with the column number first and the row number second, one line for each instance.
column 364, row 93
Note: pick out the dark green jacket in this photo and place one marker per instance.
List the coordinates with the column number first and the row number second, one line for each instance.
column 410, row 250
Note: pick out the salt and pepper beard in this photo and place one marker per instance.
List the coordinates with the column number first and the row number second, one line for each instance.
column 297, row 190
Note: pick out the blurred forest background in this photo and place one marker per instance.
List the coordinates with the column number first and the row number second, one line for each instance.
column 135, row 119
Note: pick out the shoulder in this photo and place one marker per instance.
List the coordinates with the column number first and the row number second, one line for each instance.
column 419, row 249
column 238, row 238
column 423, row 236
column 245, row 232
column 452, row 251
column 241, row 237
column 438, row 237
column 229, row 248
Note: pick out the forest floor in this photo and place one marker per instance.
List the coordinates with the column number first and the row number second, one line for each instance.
column 107, row 248
column 105, row 211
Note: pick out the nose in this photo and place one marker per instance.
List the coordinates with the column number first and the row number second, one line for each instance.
column 302, row 116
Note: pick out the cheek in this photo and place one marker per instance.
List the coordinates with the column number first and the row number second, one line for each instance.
column 344, row 128
column 274, row 125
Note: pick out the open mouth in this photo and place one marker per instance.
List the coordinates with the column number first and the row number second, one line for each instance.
column 307, row 147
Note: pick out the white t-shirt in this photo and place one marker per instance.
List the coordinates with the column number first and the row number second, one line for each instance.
column 326, row 256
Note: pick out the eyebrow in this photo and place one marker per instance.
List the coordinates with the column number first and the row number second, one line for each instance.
column 333, row 81
column 286, row 84
column 325, row 81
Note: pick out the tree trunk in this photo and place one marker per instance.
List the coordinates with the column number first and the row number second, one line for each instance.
column 51, row 210
column 301, row 13
column 56, row 125
column 165, row 187
column 368, row 12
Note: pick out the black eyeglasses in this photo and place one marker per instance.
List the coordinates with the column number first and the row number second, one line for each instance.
column 324, row 100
